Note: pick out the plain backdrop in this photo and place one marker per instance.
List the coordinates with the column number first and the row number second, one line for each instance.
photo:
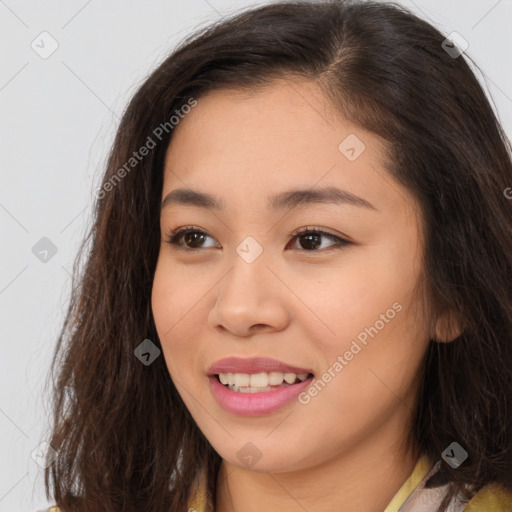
column 58, row 116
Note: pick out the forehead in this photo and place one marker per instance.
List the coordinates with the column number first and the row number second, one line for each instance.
column 247, row 143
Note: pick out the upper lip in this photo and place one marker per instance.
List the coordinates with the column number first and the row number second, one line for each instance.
column 253, row 365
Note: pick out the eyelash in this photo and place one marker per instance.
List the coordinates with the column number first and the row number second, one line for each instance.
column 173, row 237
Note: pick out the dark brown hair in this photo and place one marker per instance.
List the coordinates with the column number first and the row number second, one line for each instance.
column 125, row 439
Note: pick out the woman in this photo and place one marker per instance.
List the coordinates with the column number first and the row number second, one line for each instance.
column 297, row 295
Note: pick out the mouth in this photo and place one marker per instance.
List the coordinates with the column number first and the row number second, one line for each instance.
column 260, row 382
column 257, row 398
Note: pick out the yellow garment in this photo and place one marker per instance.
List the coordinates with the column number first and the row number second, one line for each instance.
column 423, row 466
column 492, row 498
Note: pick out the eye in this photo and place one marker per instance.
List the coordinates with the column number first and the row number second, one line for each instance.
column 191, row 238
column 311, row 236
column 190, row 234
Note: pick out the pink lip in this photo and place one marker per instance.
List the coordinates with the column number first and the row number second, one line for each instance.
column 253, row 365
column 254, row 404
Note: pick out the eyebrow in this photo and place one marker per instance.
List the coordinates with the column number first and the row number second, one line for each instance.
column 289, row 199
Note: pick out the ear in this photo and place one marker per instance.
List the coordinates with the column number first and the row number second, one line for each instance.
column 447, row 328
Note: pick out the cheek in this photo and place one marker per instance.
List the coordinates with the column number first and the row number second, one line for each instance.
column 375, row 324
column 344, row 299
column 175, row 301
column 178, row 292
column 372, row 281
column 164, row 300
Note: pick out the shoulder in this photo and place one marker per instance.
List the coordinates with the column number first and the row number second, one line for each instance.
column 491, row 497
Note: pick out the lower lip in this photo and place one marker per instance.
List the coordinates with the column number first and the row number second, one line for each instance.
column 255, row 404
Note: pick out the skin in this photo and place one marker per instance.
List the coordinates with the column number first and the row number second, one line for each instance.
column 301, row 305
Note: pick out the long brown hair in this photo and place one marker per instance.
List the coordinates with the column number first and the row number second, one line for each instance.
column 125, row 439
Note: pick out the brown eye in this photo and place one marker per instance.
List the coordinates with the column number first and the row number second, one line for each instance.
column 192, row 238
column 310, row 239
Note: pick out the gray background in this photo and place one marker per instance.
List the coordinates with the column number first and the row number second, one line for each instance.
column 58, row 116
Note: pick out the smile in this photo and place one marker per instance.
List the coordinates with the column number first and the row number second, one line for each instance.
column 247, row 399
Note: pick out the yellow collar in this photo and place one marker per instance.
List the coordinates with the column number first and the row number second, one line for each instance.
column 422, row 468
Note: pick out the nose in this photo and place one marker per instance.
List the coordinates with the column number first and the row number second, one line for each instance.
column 250, row 300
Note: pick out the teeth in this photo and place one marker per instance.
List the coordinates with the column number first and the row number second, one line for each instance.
column 290, row 377
column 242, row 379
column 253, row 390
column 275, row 378
column 257, row 382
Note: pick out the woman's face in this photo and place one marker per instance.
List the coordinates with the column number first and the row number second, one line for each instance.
column 352, row 314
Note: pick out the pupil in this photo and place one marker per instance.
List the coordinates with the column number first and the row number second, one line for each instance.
column 190, row 237
column 310, row 236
